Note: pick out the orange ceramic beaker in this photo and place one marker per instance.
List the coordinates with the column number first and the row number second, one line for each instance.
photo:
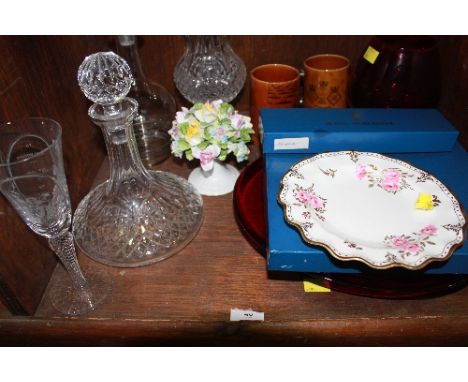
column 326, row 81
column 272, row 86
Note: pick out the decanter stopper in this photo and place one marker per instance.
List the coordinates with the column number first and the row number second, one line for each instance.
column 137, row 217
column 105, row 78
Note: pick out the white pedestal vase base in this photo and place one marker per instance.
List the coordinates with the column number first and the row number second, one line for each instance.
column 218, row 181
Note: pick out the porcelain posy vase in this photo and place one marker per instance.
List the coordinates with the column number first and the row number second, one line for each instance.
column 219, row 180
column 209, row 132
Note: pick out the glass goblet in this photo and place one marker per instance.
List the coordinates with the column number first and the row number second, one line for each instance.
column 32, row 178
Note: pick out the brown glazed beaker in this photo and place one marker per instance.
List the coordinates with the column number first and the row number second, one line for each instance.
column 326, row 81
column 272, row 86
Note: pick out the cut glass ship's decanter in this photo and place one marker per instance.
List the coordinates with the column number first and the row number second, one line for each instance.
column 156, row 108
column 137, row 217
column 209, row 70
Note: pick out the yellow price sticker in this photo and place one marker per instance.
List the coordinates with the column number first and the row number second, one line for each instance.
column 371, row 54
column 313, row 286
column 425, row 202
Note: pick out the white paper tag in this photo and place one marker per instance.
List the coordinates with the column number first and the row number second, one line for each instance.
column 246, row 315
column 291, row 143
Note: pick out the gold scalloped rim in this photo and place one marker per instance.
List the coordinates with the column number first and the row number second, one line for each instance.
column 337, row 256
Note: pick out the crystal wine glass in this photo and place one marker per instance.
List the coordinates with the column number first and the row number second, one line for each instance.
column 32, row 178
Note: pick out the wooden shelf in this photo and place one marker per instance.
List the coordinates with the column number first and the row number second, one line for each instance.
column 187, row 300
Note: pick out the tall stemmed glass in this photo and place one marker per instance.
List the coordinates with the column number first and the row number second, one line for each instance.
column 32, row 178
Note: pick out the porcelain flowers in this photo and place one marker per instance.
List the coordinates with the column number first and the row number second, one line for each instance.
column 210, row 131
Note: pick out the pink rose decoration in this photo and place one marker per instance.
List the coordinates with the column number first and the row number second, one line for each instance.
column 309, row 199
column 413, row 248
column 315, row 202
column 390, row 186
column 361, row 171
column 429, row 230
column 392, row 176
column 391, row 180
column 206, row 156
column 399, row 242
column 206, row 159
column 302, row 196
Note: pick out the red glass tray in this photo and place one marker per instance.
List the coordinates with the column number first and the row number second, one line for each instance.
column 249, row 209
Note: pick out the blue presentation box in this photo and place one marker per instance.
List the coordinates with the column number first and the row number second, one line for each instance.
column 378, row 130
column 286, row 249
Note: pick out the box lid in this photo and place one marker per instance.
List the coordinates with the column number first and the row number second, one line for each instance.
column 308, row 130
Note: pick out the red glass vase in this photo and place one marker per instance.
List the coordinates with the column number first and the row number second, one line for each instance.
column 398, row 72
